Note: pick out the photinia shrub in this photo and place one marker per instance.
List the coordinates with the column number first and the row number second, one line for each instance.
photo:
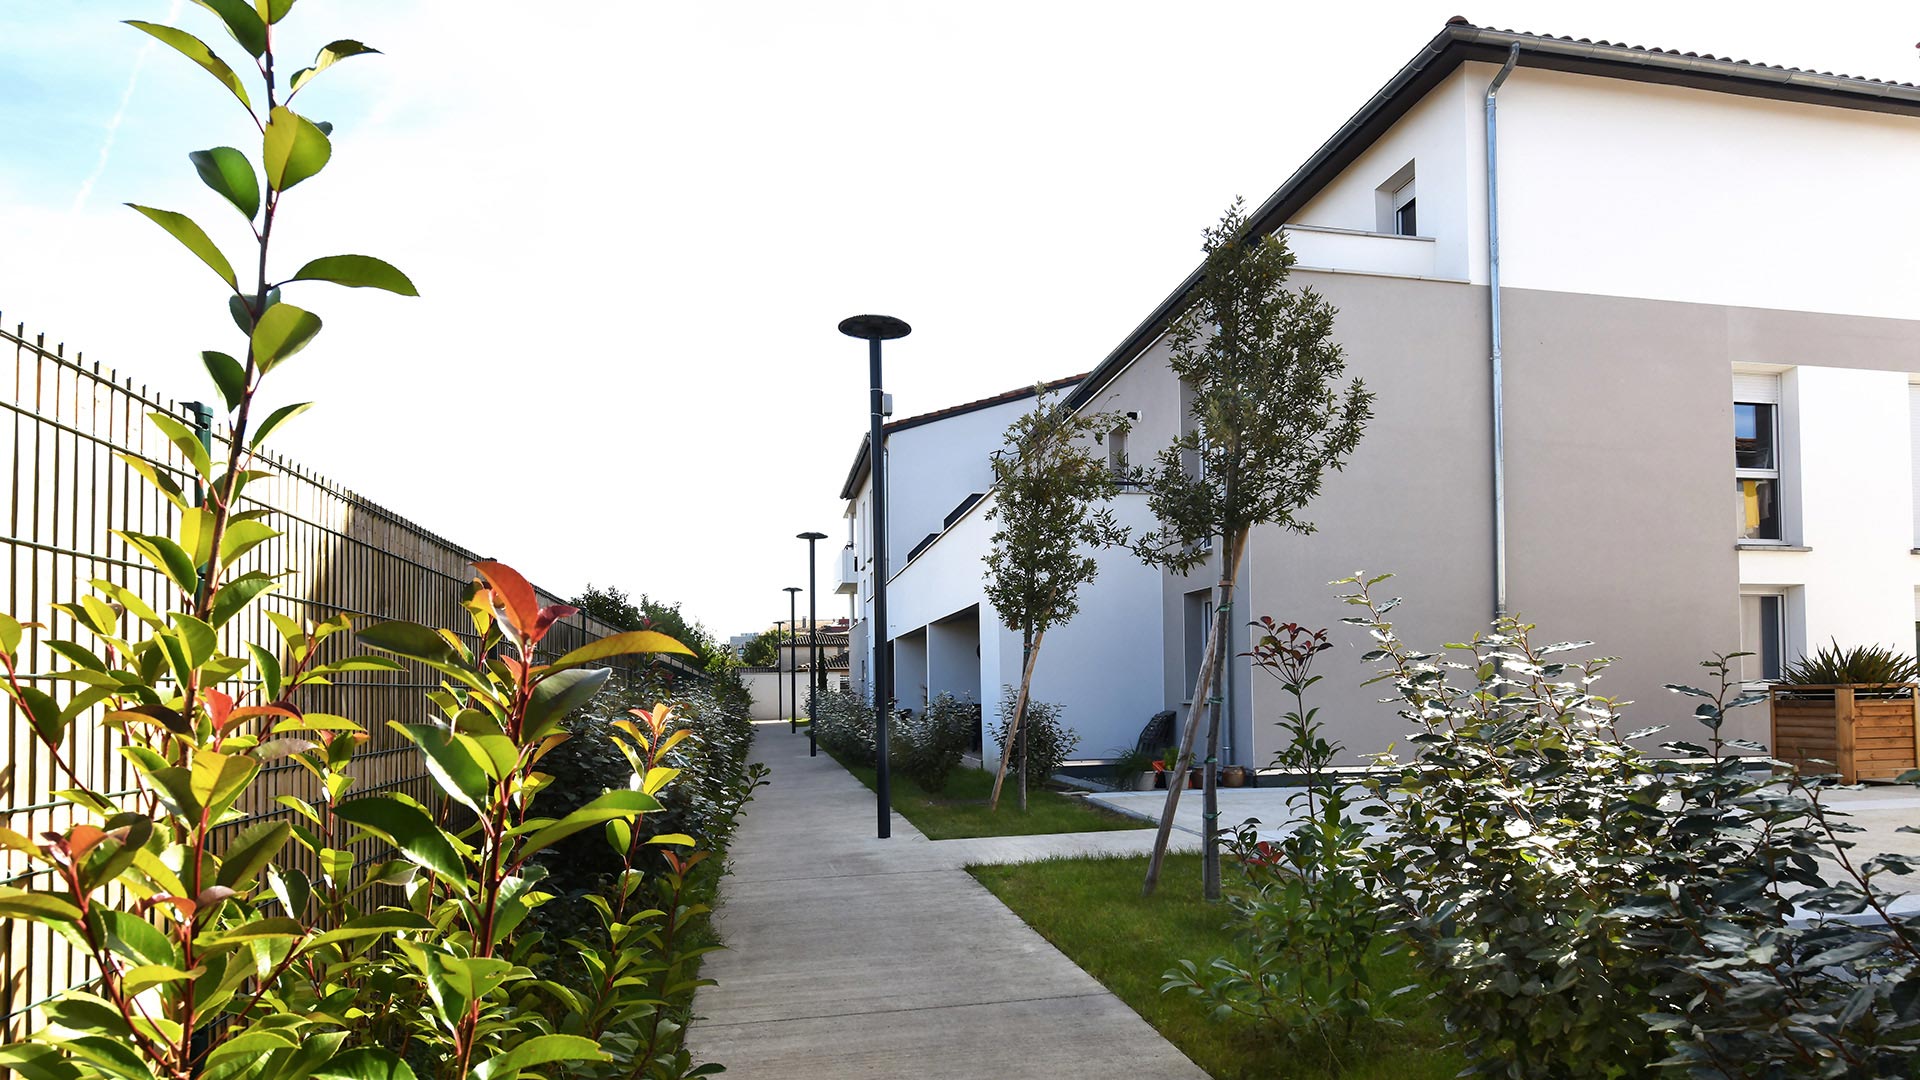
column 213, row 956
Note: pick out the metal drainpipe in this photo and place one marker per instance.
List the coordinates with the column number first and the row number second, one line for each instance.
column 1493, row 293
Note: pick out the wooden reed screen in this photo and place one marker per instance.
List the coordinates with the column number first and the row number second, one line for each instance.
column 66, row 490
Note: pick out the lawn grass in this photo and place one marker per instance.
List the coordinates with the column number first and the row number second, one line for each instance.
column 961, row 811
column 1092, row 910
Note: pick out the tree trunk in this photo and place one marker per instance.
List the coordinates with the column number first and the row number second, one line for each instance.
column 1215, row 659
column 1031, row 653
column 1210, row 814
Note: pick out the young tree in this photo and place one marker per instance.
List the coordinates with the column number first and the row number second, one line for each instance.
column 1269, row 420
column 764, row 649
column 1049, row 486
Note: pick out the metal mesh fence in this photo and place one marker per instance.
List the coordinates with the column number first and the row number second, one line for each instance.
column 66, row 490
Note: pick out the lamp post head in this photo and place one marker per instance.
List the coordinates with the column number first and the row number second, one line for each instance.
column 793, row 588
column 810, row 537
column 875, row 327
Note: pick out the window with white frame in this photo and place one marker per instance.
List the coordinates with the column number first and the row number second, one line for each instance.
column 1913, row 425
column 1763, row 636
column 1405, row 223
column 1756, row 457
column 1199, row 620
column 1394, row 208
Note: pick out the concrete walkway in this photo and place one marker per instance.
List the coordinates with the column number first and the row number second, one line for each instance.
column 853, row 957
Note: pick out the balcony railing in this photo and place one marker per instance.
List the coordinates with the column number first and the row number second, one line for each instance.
column 1321, row 248
column 849, row 572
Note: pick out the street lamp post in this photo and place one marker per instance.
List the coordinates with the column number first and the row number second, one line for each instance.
column 793, row 666
column 875, row 329
column 813, row 634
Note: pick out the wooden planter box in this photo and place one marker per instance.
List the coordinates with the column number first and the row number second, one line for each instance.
column 1860, row 732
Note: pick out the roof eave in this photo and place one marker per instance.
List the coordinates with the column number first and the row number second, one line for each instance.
column 1457, row 44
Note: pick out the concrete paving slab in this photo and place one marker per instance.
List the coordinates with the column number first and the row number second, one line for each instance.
column 1094, row 1037
column 850, row 956
column 1879, row 810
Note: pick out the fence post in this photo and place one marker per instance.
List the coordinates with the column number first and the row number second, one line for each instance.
column 203, row 427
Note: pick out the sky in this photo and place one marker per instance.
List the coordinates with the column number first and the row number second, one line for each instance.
column 635, row 226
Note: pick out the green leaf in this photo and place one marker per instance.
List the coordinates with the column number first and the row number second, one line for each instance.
column 281, row 332
column 608, row 807
column 276, row 928
column 186, row 440
column 228, row 376
column 166, row 555
column 228, row 172
column 196, row 637
column 35, row 906
column 559, row 694
column 539, row 1050
column 411, row 640
column 242, row 21
column 158, row 478
column 10, row 631
column 235, row 595
column 331, row 54
column 416, row 642
column 279, row 416
column 183, row 229
column 633, row 641
column 295, row 148
column 43, row 712
column 269, row 668
column 218, row 779
column 140, row 977
column 273, row 10
column 452, row 762
column 365, row 1063
column 251, row 851
column 197, row 51
column 136, row 939
column 357, row 272
column 242, row 537
column 114, row 1056
column 410, row 830
column 383, row 922
column 196, row 534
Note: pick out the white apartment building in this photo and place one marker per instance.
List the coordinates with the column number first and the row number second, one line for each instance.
column 1709, row 298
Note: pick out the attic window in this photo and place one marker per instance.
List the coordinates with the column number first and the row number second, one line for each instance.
column 1403, row 213
column 1394, row 204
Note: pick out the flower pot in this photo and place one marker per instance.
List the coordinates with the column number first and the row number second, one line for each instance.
column 1860, row 732
column 1233, row 776
column 1146, row 781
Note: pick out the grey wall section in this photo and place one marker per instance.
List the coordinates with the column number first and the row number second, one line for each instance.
column 1415, row 500
column 1620, row 420
column 1619, row 469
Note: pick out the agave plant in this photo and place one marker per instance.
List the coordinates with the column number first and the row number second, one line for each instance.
column 1862, row 665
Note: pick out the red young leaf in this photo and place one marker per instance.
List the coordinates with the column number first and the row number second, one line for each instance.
column 549, row 615
column 218, row 706
column 513, row 596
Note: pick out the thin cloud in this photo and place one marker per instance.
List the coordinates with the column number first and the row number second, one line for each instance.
column 119, row 114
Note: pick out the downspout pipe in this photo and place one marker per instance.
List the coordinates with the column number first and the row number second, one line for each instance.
column 1493, row 320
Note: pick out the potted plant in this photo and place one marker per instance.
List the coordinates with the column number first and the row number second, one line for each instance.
column 1850, row 711
column 1163, row 765
column 1133, row 770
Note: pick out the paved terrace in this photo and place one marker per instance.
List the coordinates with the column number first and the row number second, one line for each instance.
column 1879, row 810
column 853, row 957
